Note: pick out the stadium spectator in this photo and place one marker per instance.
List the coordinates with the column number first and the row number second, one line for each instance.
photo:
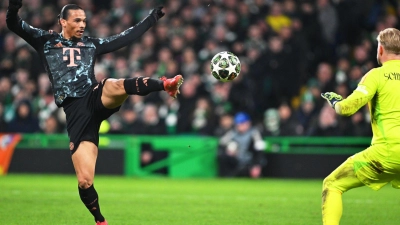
column 241, row 150
column 281, row 122
column 51, row 125
column 24, row 120
column 276, row 19
column 3, row 124
column 307, row 112
column 130, row 122
column 203, row 118
column 225, row 124
column 327, row 124
column 152, row 123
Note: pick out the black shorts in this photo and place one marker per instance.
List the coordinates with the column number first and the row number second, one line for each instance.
column 84, row 116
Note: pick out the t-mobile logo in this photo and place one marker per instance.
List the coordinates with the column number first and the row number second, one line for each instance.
column 71, row 56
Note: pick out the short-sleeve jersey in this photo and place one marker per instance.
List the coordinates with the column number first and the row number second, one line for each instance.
column 380, row 88
column 70, row 63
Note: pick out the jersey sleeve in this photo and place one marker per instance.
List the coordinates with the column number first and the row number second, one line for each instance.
column 115, row 42
column 24, row 30
column 364, row 92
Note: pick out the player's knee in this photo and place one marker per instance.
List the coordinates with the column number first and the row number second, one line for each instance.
column 327, row 183
column 85, row 183
column 330, row 183
column 115, row 86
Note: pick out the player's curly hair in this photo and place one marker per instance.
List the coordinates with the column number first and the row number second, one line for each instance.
column 65, row 10
column 390, row 40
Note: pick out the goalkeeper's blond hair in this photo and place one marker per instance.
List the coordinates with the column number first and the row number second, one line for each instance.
column 390, row 40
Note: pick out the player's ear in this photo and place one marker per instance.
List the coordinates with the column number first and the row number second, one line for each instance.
column 381, row 49
column 62, row 22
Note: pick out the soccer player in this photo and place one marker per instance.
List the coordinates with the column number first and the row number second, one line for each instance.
column 379, row 164
column 69, row 58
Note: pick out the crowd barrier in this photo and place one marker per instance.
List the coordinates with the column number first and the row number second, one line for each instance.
column 179, row 156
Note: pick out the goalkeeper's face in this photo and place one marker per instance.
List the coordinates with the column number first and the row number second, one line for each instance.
column 75, row 24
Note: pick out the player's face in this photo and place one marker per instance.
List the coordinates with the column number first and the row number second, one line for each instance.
column 75, row 25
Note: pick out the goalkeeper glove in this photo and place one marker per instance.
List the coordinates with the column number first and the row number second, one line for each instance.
column 14, row 5
column 332, row 98
column 157, row 13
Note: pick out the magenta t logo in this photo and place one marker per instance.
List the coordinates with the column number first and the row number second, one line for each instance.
column 71, row 56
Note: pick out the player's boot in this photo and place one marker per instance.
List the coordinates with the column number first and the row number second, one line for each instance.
column 102, row 223
column 172, row 85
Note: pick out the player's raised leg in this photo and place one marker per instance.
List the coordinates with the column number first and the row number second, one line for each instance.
column 115, row 91
column 84, row 160
column 339, row 181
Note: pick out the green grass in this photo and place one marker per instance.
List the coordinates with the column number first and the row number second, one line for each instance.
column 53, row 199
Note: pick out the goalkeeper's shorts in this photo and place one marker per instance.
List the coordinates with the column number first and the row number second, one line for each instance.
column 378, row 165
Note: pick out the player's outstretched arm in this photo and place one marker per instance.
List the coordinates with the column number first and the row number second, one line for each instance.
column 113, row 43
column 348, row 106
column 12, row 18
column 364, row 93
column 21, row 28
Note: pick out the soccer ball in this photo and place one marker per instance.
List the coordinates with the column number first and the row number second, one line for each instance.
column 225, row 66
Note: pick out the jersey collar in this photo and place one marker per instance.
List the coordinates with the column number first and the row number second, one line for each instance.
column 391, row 61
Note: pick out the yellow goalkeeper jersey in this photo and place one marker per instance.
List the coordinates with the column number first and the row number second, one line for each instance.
column 380, row 88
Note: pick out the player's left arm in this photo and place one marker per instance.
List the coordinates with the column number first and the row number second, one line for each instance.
column 364, row 92
column 115, row 42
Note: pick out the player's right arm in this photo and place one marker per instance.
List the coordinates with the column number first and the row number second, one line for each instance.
column 21, row 28
column 365, row 91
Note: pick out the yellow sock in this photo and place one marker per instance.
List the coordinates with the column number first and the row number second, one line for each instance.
column 331, row 207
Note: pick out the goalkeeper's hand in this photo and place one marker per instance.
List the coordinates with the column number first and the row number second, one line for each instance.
column 14, row 4
column 332, row 98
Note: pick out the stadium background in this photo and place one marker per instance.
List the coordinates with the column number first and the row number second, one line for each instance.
column 290, row 52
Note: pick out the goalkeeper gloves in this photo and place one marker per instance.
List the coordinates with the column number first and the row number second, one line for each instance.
column 157, row 13
column 332, row 98
column 14, row 5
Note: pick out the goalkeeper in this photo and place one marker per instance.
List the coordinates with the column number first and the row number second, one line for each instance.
column 380, row 163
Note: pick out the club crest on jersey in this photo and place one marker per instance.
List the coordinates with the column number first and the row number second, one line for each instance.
column 59, row 45
column 80, row 44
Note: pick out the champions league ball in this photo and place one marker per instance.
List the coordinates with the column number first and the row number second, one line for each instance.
column 225, row 66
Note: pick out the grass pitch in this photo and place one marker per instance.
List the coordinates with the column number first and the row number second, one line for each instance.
column 54, row 200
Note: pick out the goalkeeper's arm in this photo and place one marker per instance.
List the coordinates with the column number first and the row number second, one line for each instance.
column 350, row 105
column 365, row 91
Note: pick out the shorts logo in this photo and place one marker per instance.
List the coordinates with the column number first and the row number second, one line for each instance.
column 97, row 86
column 71, row 146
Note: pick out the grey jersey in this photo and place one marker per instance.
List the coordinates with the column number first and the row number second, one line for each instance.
column 246, row 142
column 70, row 63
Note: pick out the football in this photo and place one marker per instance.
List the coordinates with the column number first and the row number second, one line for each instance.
column 225, row 66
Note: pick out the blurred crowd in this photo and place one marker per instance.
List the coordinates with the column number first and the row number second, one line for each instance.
column 290, row 52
